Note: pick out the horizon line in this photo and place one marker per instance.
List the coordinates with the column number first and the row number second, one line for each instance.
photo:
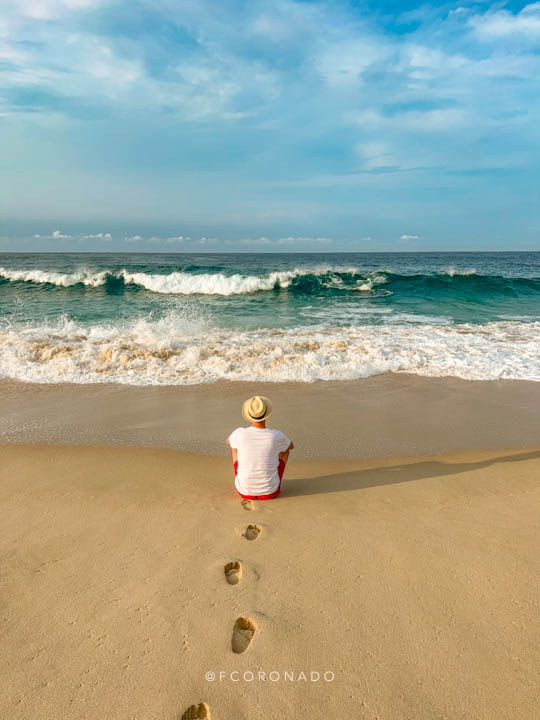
column 261, row 252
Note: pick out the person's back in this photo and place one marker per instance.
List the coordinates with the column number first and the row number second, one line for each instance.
column 259, row 453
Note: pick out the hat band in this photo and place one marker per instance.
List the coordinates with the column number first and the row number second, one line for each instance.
column 257, row 417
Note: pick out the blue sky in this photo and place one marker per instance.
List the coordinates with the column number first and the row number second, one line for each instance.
column 272, row 125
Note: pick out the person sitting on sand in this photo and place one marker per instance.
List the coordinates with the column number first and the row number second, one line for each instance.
column 259, row 453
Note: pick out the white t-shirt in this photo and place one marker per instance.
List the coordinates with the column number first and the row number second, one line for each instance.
column 258, row 459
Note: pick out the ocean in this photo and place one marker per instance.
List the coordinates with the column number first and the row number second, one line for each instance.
column 158, row 319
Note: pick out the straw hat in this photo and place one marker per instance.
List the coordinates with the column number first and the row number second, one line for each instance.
column 256, row 409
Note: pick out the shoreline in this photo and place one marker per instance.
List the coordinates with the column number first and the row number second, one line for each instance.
column 384, row 416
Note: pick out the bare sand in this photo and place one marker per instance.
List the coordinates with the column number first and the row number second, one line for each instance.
column 413, row 581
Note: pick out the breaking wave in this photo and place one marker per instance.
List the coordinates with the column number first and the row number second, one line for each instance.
column 467, row 284
column 171, row 351
column 179, row 283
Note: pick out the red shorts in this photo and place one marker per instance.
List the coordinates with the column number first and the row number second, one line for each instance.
column 280, row 470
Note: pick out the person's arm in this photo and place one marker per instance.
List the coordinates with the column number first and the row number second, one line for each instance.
column 234, row 451
column 284, row 455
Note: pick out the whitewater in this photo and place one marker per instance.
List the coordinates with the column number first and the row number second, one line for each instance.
column 186, row 319
column 182, row 283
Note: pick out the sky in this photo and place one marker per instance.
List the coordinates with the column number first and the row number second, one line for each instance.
column 269, row 125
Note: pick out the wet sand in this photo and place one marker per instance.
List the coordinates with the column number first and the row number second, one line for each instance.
column 378, row 417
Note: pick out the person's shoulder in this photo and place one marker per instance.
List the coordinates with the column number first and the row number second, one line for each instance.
column 238, row 430
column 278, row 433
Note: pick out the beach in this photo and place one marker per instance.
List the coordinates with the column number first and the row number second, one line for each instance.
column 395, row 577
column 269, row 360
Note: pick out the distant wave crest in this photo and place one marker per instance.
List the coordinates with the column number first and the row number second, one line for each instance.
column 45, row 277
column 177, row 283
column 307, row 281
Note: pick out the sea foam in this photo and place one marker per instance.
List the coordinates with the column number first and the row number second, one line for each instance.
column 172, row 351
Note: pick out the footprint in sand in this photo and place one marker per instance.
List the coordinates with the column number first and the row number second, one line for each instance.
column 252, row 532
column 247, row 504
column 233, row 572
column 243, row 632
column 197, row 712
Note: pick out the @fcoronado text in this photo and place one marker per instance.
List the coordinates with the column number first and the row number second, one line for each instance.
column 275, row 676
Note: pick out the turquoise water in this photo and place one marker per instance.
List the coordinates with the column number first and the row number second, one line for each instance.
column 173, row 319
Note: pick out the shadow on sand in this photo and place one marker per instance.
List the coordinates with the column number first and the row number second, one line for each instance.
column 390, row 474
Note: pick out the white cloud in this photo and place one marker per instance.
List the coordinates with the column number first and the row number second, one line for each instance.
column 98, row 236
column 437, row 120
column 409, row 237
column 282, row 20
column 51, row 9
column 424, row 63
column 92, row 72
column 133, row 239
column 268, row 26
column 58, row 235
column 375, row 154
column 343, row 108
column 10, row 53
column 343, row 63
column 459, row 11
column 440, row 120
column 204, row 88
column 97, row 61
column 502, row 23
